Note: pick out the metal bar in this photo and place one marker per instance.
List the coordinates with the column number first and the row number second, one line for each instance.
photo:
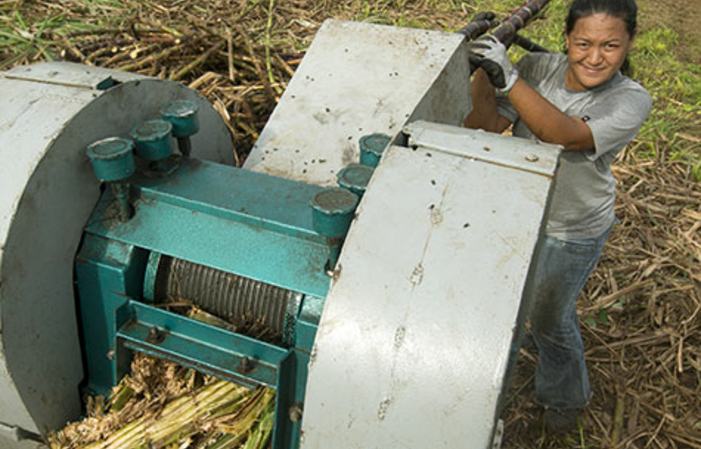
column 223, row 354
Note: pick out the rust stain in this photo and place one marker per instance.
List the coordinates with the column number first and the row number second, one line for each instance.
column 399, row 337
column 382, row 409
column 417, row 275
column 436, row 216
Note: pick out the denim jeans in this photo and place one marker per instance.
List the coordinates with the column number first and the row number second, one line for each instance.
column 562, row 268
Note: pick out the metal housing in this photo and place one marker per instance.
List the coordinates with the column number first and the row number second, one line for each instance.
column 50, row 113
column 413, row 345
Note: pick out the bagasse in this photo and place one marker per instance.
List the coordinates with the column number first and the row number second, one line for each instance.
column 162, row 405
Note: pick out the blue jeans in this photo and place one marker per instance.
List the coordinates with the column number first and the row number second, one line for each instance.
column 561, row 269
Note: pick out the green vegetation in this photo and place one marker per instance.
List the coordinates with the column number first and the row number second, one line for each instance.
column 675, row 121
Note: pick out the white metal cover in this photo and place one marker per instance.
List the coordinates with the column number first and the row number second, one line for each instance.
column 48, row 114
column 358, row 79
column 414, row 339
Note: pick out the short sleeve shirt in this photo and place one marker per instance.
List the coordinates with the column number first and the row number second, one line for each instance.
column 582, row 203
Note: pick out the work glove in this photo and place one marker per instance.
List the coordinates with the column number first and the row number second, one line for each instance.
column 490, row 54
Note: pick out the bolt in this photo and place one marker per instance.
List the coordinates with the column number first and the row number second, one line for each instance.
column 155, row 336
column 295, row 411
column 532, row 158
column 246, row 366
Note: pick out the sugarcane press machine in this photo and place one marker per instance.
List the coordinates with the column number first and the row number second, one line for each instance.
column 382, row 248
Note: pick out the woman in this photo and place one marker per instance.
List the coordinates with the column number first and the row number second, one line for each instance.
column 581, row 101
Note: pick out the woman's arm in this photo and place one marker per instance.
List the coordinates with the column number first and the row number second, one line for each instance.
column 484, row 113
column 544, row 119
column 547, row 122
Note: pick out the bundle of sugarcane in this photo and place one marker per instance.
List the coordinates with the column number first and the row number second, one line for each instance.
column 161, row 405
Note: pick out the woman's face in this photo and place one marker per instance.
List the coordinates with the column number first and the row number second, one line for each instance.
column 596, row 48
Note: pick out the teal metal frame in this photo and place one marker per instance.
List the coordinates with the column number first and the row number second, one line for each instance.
column 237, row 221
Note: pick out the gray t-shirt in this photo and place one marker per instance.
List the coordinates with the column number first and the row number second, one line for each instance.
column 582, row 203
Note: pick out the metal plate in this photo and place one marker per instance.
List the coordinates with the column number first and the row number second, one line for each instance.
column 513, row 152
column 49, row 113
column 69, row 75
column 358, row 79
column 414, row 340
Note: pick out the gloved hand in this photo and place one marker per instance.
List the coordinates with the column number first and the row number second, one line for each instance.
column 490, row 54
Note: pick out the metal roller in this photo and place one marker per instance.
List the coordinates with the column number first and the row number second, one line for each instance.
column 227, row 295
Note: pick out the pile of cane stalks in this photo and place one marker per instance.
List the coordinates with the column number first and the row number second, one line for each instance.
column 640, row 312
column 162, row 405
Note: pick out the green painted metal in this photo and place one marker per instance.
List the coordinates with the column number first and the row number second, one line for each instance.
column 250, row 224
column 152, row 139
column 372, row 147
column 355, row 177
column 333, row 210
column 308, row 322
column 110, row 273
column 237, row 221
column 154, row 260
column 198, row 345
column 183, row 115
column 289, row 402
column 112, row 158
column 107, row 274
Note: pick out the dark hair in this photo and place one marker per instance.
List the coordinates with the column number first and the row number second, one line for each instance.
column 625, row 10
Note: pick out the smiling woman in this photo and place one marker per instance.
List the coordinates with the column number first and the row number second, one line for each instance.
column 597, row 47
column 583, row 102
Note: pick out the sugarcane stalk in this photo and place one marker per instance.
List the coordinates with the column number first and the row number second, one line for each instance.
column 618, row 415
column 263, row 431
column 476, row 28
column 120, row 398
column 179, row 419
column 519, row 19
column 196, row 63
column 244, row 419
column 226, row 441
column 200, row 315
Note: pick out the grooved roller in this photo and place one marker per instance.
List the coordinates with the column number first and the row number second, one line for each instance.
column 226, row 295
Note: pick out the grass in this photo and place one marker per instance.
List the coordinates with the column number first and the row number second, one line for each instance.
column 676, row 90
column 27, row 36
